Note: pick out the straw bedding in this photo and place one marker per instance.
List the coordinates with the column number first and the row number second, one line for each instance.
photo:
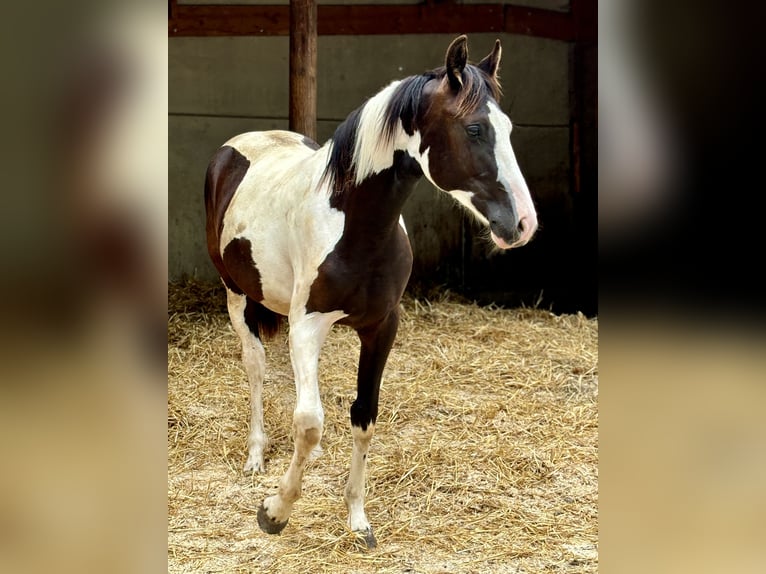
column 484, row 459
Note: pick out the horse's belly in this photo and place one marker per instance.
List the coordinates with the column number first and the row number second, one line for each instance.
column 276, row 273
column 257, row 260
column 280, row 262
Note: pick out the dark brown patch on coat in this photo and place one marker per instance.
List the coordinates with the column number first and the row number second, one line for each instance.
column 241, row 269
column 244, row 277
column 309, row 143
column 225, row 173
column 367, row 271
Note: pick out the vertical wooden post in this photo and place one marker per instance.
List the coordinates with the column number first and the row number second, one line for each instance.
column 303, row 64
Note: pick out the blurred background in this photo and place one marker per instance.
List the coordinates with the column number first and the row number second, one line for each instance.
column 83, row 287
column 682, row 432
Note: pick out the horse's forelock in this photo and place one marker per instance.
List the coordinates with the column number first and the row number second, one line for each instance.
column 477, row 87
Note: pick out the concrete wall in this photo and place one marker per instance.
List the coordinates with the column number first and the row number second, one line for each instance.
column 221, row 86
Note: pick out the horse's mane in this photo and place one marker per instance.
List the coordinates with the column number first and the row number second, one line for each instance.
column 368, row 132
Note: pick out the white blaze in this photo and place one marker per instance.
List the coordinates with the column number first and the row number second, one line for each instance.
column 509, row 174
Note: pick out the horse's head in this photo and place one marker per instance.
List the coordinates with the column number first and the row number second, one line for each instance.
column 465, row 145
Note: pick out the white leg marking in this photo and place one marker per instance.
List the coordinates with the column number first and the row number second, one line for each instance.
column 307, row 333
column 354, row 495
column 254, row 360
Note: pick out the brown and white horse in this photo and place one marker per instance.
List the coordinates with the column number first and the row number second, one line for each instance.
column 315, row 234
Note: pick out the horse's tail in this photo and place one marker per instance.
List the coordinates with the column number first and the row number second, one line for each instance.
column 263, row 322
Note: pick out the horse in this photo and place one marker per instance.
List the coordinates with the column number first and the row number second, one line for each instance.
column 315, row 235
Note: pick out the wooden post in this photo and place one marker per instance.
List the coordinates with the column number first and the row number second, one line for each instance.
column 303, row 64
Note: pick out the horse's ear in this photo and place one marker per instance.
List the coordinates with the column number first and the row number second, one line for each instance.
column 457, row 57
column 491, row 63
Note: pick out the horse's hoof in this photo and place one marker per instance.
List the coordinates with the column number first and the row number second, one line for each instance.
column 368, row 537
column 269, row 525
column 253, row 467
column 254, row 463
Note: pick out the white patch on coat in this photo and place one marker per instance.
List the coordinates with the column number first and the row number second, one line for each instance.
column 372, row 153
column 307, row 334
column 464, row 198
column 510, row 176
column 413, row 148
column 287, row 218
column 291, row 228
column 298, row 228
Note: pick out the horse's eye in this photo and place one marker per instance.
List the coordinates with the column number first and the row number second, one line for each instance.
column 474, row 130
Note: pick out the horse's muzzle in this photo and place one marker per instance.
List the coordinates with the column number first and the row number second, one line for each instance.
column 507, row 237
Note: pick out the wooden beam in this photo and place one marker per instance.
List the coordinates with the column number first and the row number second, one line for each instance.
column 220, row 20
column 539, row 23
column 585, row 19
column 410, row 19
column 303, row 64
column 439, row 18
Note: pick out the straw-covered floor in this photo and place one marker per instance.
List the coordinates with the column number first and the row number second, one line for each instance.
column 484, row 459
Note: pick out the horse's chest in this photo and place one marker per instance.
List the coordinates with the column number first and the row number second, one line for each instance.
column 363, row 278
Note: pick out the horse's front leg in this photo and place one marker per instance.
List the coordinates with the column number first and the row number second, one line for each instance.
column 376, row 345
column 307, row 333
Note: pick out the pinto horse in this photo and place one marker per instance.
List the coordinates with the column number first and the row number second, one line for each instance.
column 315, row 234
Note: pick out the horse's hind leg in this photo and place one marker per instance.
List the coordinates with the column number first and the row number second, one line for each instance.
column 254, row 359
column 376, row 345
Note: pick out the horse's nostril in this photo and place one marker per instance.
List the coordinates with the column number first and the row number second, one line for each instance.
column 504, row 228
column 523, row 225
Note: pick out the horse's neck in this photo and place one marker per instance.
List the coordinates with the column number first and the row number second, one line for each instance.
column 376, row 203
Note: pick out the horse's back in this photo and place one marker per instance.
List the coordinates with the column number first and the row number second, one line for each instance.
column 276, row 161
column 273, row 143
